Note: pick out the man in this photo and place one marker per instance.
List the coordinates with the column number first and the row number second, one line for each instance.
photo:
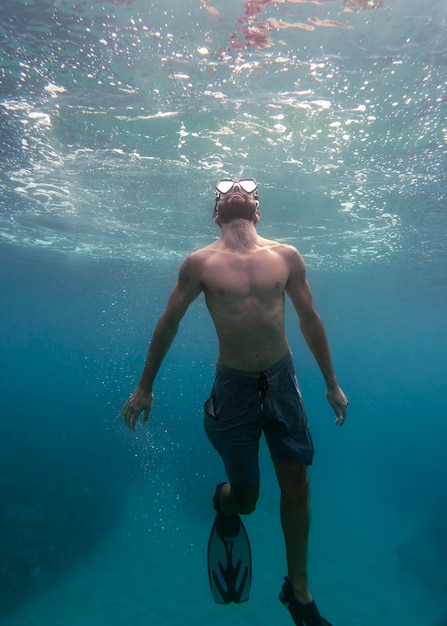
column 244, row 279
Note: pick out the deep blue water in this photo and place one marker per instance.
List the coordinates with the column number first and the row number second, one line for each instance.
column 116, row 119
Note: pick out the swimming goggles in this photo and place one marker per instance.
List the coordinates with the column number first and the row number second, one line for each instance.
column 249, row 185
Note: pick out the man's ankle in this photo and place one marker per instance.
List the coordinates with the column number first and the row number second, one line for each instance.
column 301, row 592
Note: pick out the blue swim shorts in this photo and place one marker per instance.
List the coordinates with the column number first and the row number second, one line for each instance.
column 243, row 405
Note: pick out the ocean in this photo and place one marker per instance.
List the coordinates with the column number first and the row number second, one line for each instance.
column 116, row 120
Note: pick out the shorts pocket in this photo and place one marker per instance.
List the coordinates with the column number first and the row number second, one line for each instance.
column 210, row 408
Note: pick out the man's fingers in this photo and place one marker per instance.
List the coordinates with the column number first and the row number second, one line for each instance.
column 130, row 416
column 135, row 405
column 131, row 421
column 340, row 412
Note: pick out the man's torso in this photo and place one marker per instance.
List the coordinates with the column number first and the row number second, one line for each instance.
column 244, row 292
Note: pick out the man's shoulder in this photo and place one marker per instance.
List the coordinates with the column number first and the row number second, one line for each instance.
column 196, row 259
column 291, row 256
column 204, row 253
column 281, row 248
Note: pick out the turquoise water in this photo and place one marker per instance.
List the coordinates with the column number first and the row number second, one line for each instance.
column 116, row 119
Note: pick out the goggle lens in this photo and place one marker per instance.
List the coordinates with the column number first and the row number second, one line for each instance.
column 249, row 185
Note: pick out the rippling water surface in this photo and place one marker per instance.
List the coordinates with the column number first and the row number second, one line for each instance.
column 118, row 117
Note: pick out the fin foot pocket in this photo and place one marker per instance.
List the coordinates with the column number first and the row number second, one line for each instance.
column 302, row 614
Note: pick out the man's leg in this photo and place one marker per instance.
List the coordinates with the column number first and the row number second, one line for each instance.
column 231, row 501
column 237, row 500
column 295, row 520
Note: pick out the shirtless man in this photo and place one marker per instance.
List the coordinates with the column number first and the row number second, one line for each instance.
column 244, row 279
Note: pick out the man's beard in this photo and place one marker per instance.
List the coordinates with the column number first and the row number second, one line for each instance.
column 236, row 207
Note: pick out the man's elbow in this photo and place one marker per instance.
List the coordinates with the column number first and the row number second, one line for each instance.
column 168, row 324
column 309, row 320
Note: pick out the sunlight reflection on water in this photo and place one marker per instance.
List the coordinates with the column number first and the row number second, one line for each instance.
column 117, row 120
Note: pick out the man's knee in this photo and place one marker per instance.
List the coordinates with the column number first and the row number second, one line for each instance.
column 245, row 498
column 293, row 481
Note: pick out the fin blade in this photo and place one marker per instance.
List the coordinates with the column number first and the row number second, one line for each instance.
column 229, row 567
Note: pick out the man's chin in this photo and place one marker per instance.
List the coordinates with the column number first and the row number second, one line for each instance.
column 232, row 212
column 236, row 205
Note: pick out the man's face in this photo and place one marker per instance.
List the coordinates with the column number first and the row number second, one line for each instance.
column 236, row 204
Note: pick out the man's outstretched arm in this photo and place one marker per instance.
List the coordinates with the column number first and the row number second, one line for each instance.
column 315, row 336
column 314, row 333
column 185, row 291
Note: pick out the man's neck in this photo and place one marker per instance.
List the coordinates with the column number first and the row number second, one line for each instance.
column 239, row 233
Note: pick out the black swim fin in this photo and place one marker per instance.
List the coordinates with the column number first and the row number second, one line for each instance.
column 229, row 566
column 302, row 614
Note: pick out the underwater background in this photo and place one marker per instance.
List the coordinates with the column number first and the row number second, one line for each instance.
column 116, row 120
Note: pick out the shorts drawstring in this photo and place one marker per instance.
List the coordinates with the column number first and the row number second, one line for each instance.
column 262, row 389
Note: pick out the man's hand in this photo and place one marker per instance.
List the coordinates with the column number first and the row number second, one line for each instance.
column 339, row 402
column 139, row 401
